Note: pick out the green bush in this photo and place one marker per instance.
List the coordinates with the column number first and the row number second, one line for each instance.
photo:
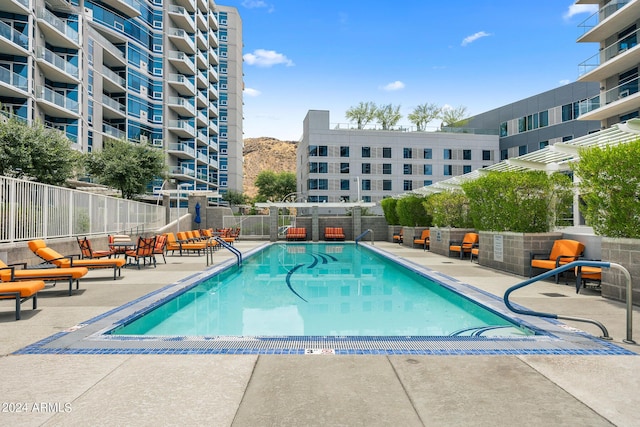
column 610, row 187
column 411, row 212
column 449, row 209
column 389, row 210
column 523, row 202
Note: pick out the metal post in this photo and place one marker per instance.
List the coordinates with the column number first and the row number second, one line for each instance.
column 627, row 275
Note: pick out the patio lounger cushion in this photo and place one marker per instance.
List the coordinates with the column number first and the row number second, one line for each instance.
column 11, row 274
column 464, row 247
column 563, row 251
column 21, row 291
column 333, row 233
column 423, row 239
column 296, row 233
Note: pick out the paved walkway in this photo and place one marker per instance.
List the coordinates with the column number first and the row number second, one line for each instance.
column 220, row 390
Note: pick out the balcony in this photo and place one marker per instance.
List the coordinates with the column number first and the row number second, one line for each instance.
column 13, row 42
column 182, row 62
column 129, row 8
column 181, row 18
column 21, row 7
column 609, row 20
column 201, row 118
column 201, row 100
column 190, row 5
column 618, row 101
column 213, row 146
column 213, row 21
column 112, row 82
column 201, row 61
column 201, row 80
column 112, row 108
column 213, row 40
column 13, row 85
column 213, row 110
column 56, row 104
column 202, row 5
column 612, row 60
column 182, row 151
column 181, row 84
column 201, row 21
column 113, row 132
column 55, row 67
column 56, row 31
column 213, row 92
column 182, row 128
column 203, row 175
column 201, row 40
column 213, row 57
column 202, row 136
column 213, row 75
column 182, row 41
column 182, row 171
column 182, row 106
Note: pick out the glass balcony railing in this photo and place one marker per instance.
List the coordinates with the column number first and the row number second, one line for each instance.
column 181, row 56
column 113, row 76
column 58, row 24
column 13, row 79
column 182, row 170
column 10, row 33
column 57, row 61
column 602, row 14
column 179, row 78
column 609, row 52
column 183, row 148
column 113, row 131
column 58, row 99
column 617, row 93
column 113, row 104
column 181, row 124
column 183, row 102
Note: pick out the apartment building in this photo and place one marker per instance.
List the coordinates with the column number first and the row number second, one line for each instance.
column 533, row 123
column 167, row 73
column 335, row 165
column 613, row 29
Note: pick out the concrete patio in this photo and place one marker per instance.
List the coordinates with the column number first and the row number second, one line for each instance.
column 224, row 390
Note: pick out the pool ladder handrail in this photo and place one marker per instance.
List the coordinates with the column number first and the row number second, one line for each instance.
column 364, row 233
column 574, row 264
column 227, row 246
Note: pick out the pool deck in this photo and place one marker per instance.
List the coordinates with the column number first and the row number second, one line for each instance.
column 310, row 390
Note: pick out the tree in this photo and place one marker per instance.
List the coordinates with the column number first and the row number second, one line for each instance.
column 362, row 114
column 423, row 114
column 388, row 115
column 453, row 117
column 42, row 154
column 274, row 186
column 234, row 197
column 127, row 166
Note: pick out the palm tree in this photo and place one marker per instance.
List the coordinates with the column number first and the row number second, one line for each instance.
column 453, row 117
column 362, row 114
column 388, row 115
column 423, row 114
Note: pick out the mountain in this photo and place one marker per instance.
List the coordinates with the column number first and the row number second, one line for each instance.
column 266, row 153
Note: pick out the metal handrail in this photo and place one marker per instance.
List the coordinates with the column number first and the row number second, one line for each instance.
column 574, row 264
column 230, row 248
column 367, row 231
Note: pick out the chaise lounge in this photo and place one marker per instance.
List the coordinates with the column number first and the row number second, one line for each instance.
column 9, row 273
column 174, row 244
column 21, row 292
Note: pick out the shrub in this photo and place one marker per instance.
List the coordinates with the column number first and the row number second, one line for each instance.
column 449, row 209
column 389, row 210
column 523, row 202
column 610, row 187
column 411, row 212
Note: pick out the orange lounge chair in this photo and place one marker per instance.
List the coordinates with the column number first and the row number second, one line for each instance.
column 423, row 239
column 333, row 233
column 9, row 273
column 174, row 244
column 86, row 250
column 296, row 233
column 144, row 250
column 465, row 246
column 399, row 238
column 21, row 292
column 160, row 248
column 586, row 274
column 475, row 252
column 40, row 248
column 563, row 251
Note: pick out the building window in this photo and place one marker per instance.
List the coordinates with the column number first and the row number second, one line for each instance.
column 427, row 182
column 486, row 154
column 408, row 170
column 407, row 153
column 427, row 169
column 448, row 170
column 344, row 198
column 366, row 199
column 344, row 151
column 447, row 154
column 504, row 129
column 386, row 185
column 313, row 167
column 366, row 152
column 323, row 184
column 322, row 167
column 544, row 119
column 567, row 112
column 522, row 124
column 386, row 152
column 344, row 184
column 315, row 150
column 366, row 184
column 543, row 144
column 567, row 138
column 408, row 185
column 466, row 169
column 344, row 167
column 522, row 150
column 466, row 154
column 504, row 154
column 428, row 154
column 386, row 168
column 366, row 168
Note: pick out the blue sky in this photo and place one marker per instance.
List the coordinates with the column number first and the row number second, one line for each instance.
column 305, row 55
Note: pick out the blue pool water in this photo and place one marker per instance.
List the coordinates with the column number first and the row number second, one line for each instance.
column 320, row 290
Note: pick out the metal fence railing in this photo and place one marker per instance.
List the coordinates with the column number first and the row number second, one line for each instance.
column 30, row 210
column 255, row 226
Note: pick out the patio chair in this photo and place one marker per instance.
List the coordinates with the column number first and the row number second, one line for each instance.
column 399, row 237
column 333, row 233
column 464, row 246
column 160, row 248
column 86, row 250
column 174, row 244
column 563, row 251
column 51, row 256
column 296, row 233
column 475, row 252
column 21, row 292
column 144, row 250
column 423, row 239
column 9, row 273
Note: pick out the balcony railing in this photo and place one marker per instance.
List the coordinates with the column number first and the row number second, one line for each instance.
column 182, row 170
column 602, row 14
column 58, row 99
column 609, row 52
column 58, row 24
column 13, row 79
column 113, row 131
column 10, row 33
column 113, row 104
column 57, row 61
column 182, row 124
column 183, row 148
column 113, row 76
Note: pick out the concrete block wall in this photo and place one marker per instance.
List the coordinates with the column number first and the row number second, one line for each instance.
column 378, row 225
column 346, row 222
column 625, row 252
column 516, row 250
column 440, row 238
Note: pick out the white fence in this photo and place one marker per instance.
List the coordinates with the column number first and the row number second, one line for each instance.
column 30, row 210
column 256, row 226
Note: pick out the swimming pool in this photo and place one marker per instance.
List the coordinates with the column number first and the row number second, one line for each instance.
column 95, row 336
column 320, row 289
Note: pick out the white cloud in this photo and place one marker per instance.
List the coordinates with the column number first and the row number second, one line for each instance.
column 564, row 82
column 252, row 4
column 397, row 85
column 266, row 58
column 470, row 39
column 578, row 9
column 252, row 92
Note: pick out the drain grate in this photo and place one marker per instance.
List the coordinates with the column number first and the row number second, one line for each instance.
column 553, row 294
